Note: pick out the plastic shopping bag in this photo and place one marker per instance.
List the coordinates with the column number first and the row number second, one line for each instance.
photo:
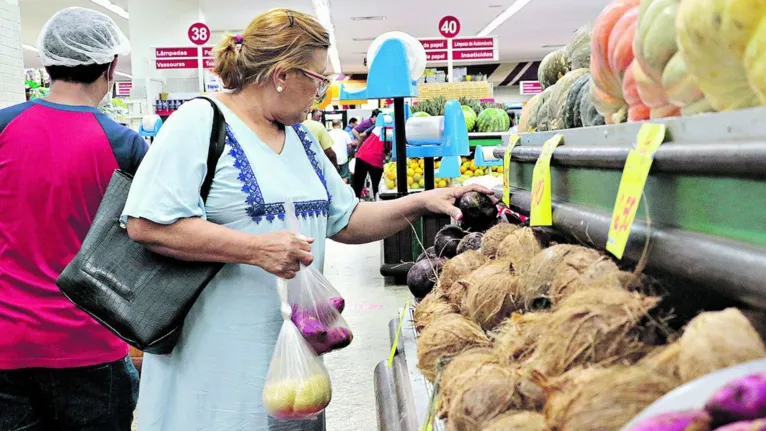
column 297, row 385
column 316, row 305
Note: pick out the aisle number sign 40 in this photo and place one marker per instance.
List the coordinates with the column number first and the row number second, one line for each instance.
column 634, row 175
column 541, row 212
column 514, row 140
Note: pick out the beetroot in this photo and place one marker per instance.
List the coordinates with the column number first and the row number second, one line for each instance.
column 472, row 241
column 421, row 278
column 309, row 325
column 333, row 339
column 339, row 304
column 691, row 420
column 447, row 240
column 756, row 425
column 479, row 212
column 428, row 253
column 741, row 399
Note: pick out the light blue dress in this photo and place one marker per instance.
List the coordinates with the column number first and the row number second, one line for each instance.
column 213, row 379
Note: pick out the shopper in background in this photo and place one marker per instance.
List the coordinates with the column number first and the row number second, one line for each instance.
column 350, row 127
column 512, row 116
column 342, row 147
column 370, row 159
column 316, row 114
column 319, row 131
column 363, row 129
column 214, row 377
column 59, row 368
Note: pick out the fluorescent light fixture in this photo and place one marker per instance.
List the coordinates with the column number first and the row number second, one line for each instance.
column 363, row 39
column 111, row 7
column 323, row 14
column 368, row 18
column 126, row 75
column 552, row 46
column 503, row 17
column 29, row 47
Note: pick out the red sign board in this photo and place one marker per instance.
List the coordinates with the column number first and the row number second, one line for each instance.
column 530, row 87
column 123, row 88
column 175, row 52
column 199, row 33
column 474, row 43
column 449, row 26
column 432, row 56
column 434, row 44
column 177, row 63
column 208, row 63
column 207, row 52
column 474, row 55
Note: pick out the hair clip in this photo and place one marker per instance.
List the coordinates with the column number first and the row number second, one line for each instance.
column 290, row 17
column 238, row 38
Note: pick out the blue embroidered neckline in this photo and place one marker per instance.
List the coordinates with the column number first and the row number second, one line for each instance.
column 257, row 208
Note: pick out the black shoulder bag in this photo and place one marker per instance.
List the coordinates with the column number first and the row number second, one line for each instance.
column 141, row 296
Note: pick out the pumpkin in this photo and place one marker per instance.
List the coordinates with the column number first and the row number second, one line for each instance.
column 558, row 103
column 553, row 67
column 528, row 120
column 578, row 49
column 611, row 55
column 682, row 87
column 589, row 115
column 572, row 117
column 543, row 117
column 637, row 110
column 720, row 41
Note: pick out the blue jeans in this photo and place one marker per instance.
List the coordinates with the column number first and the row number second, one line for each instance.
column 97, row 398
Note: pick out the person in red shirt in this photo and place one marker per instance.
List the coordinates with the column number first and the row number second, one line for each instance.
column 59, row 368
column 370, row 159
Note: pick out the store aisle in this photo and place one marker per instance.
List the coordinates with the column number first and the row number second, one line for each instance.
column 355, row 272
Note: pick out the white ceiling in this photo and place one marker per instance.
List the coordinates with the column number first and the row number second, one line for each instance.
column 528, row 35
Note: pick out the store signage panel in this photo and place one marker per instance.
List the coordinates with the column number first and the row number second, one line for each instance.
column 475, row 55
column 207, row 52
column 208, row 63
column 178, row 63
column 530, row 87
column 175, row 52
column 434, row 44
column 123, row 88
column 474, row 43
column 436, row 56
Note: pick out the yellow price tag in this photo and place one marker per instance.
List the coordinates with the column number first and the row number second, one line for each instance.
column 398, row 333
column 634, row 175
column 540, row 212
column 507, row 170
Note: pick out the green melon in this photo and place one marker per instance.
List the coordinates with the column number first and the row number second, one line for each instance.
column 470, row 118
column 493, row 120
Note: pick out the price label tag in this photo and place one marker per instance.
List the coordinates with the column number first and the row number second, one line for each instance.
column 540, row 212
column 634, row 175
column 395, row 345
column 507, row 170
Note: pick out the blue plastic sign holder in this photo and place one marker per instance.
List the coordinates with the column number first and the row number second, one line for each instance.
column 478, row 159
column 389, row 75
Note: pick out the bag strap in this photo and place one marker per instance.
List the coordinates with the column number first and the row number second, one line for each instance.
column 217, row 145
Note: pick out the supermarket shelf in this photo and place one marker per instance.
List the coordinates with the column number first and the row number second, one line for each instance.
column 731, row 269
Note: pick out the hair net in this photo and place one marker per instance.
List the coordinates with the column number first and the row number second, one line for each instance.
column 77, row 36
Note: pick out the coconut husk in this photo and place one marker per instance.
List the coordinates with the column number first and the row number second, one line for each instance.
column 605, row 399
column 515, row 338
column 465, row 368
column 459, row 267
column 456, row 293
column 484, row 399
column 593, row 327
column 519, row 248
column 493, row 238
column 445, row 338
column 664, row 360
column 717, row 340
column 491, row 299
column 517, row 421
column 584, row 270
column 536, row 281
column 430, row 308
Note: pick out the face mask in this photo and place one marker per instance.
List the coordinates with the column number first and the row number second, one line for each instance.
column 107, row 99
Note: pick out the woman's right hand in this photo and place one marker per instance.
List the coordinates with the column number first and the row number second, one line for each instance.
column 282, row 253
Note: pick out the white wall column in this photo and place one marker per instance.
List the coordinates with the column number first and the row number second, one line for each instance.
column 11, row 55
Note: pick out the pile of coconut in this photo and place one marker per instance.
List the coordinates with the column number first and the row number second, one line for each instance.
column 522, row 333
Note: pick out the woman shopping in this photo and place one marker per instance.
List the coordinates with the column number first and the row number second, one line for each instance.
column 275, row 70
column 370, row 159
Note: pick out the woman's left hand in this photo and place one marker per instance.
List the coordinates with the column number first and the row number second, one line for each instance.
column 442, row 201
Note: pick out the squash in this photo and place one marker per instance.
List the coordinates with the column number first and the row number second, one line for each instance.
column 637, row 110
column 682, row 87
column 543, row 117
column 578, row 49
column 611, row 54
column 558, row 103
column 720, row 41
column 553, row 67
column 572, row 118
column 528, row 121
column 589, row 115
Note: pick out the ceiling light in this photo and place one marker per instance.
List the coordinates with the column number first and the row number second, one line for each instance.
column 553, row 46
column 111, row 7
column 363, row 39
column 368, row 18
column 323, row 14
column 503, row 17
column 29, row 47
column 126, row 75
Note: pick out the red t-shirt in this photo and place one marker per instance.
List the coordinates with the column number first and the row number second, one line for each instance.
column 55, row 164
column 373, row 149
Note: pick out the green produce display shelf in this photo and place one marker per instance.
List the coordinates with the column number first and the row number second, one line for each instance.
column 485, row 139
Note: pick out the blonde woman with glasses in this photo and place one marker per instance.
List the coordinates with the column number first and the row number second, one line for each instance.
column 275, row 70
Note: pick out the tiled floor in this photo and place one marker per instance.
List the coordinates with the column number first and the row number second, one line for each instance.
column 355, row 272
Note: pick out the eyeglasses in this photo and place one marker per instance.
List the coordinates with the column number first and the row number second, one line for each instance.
column 323, row 82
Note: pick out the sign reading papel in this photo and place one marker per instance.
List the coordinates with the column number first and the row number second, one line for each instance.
column 199, row 33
